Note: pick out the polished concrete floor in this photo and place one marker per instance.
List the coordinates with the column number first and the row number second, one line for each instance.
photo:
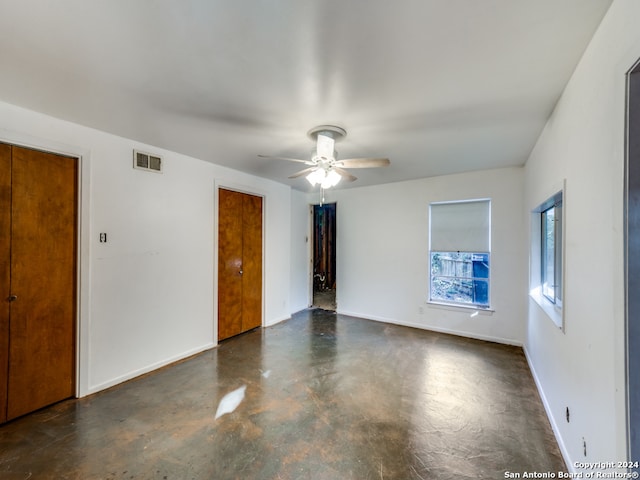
column 325, row 397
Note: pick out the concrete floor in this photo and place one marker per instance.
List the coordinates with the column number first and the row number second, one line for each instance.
column 327, row 397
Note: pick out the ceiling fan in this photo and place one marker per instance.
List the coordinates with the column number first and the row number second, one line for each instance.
column 324, row 169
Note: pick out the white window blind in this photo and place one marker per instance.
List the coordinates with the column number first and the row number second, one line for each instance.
column 460, row 226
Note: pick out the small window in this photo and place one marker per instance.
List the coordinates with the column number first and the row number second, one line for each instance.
column 459, row 253
column 551, row 253
column 547, row 250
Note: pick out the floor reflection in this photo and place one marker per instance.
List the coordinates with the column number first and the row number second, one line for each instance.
column 324, row 396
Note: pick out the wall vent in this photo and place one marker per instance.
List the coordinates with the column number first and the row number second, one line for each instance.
column 147, row 161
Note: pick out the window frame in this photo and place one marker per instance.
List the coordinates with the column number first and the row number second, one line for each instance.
column 556, row 286
column 551, row 301
column 452, row 303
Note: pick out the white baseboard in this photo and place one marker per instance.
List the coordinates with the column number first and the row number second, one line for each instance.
column 552, row 420
column 276, row 321
column 149, row 368
column 459, row 333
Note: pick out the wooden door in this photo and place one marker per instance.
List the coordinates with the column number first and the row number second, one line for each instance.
column 42, row 313
column 251, row 262
column 5, row 272
column 239, row 263
column 229, row 264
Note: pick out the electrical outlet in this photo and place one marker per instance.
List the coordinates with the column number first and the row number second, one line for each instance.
column 421, row 310
column 568, row 416
column 584, row 446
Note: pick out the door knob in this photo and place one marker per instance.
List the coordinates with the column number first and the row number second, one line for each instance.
column 13, row 298
column 240, row 272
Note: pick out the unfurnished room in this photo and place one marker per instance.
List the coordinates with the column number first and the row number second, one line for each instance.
column 313, row 239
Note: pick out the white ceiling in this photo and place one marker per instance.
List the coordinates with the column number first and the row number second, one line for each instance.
column 438, row 86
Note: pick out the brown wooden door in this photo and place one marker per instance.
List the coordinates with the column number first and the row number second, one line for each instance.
column 239, row 263
column 42, row 338
column 229, row 264
column 5, row 272
column 251, row 262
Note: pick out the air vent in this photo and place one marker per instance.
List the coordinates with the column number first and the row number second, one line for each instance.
column 147, row 161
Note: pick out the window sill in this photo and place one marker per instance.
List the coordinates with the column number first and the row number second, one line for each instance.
column 553, row 312
column 461, row 308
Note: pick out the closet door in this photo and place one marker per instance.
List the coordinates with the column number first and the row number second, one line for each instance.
column 229, row 264
column 239, row 263
column 5, row 269
column 251, row 262
column 42, row 313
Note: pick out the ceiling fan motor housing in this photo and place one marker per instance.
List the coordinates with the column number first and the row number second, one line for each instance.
column 333, row 131
column 325, row 137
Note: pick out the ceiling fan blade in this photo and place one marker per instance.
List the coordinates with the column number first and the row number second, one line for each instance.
column 325, row 146
column 303, row 172
column 344, row 174
column 306, row 162
column 363, row 162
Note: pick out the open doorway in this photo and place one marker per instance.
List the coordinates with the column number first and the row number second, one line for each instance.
column 324, row 256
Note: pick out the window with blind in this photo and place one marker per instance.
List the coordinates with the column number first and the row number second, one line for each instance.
column 459, row 252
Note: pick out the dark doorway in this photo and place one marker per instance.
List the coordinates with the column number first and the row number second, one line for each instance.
column 324, row 256
column 632, row 260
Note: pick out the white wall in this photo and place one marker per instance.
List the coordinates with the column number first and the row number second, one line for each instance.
column 147, row 295
column 583, row 142
column 300, row 251
column 382, row 253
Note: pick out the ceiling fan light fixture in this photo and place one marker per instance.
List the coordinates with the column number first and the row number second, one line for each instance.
column 331, row 179
column 316, row 177
column 324, row 178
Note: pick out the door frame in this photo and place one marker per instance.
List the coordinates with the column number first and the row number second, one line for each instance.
column 83, row 157
column 632, row 263
column 240, row 188
column 310, row 264
column 312, row 226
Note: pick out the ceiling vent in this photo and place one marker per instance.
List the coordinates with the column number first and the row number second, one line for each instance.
column 147, row 161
